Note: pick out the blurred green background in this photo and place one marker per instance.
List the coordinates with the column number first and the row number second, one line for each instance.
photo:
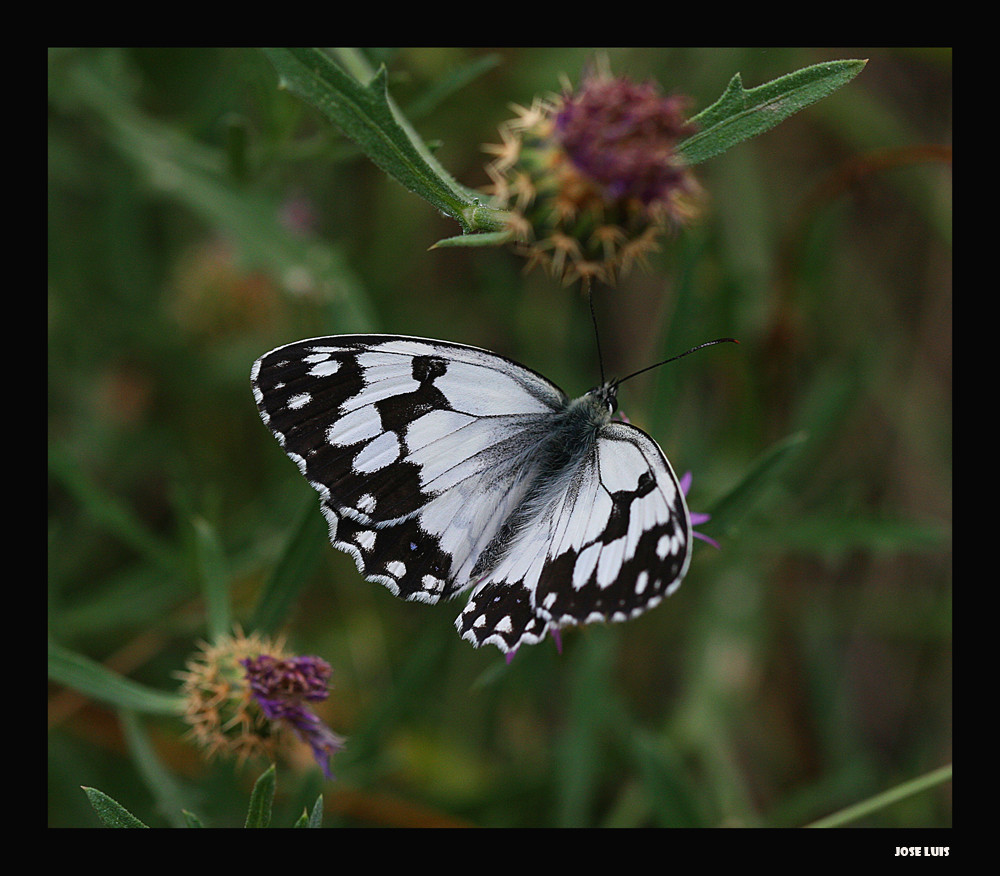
column 199, row 216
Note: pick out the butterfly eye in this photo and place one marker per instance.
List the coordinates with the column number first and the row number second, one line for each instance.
column 611, row 398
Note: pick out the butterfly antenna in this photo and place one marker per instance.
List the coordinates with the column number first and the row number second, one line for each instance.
column 593, row 319
column 679, row 356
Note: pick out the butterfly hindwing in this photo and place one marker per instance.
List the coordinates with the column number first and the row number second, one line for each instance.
column 442, row 467
column 615, row 542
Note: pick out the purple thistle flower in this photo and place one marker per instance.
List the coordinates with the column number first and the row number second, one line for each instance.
column 283, row 686
column 622, row 135
column 593, row 178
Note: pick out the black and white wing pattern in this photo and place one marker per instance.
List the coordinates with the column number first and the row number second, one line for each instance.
column 443, row 468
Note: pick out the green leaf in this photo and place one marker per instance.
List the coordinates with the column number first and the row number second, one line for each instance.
column 91, row 678
column 450, row 84
column 366, row 114
column 214, row 575
column 112, row 813
column 486, row 238
column 765, row 470
column 316, row 815
column 110, row 514
column 300, row 555
column 844, row 533
column 259, row 813
column 169, row 794
column 577, row 750
column 886, row 798
column 191, row 820
column 195, row 176
column 312, row 818
column 741, row 114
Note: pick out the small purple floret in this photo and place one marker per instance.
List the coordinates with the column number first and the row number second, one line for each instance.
column 622, row 134
column 282, row 687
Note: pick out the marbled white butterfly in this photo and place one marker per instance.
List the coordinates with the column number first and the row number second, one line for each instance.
column 444, row 468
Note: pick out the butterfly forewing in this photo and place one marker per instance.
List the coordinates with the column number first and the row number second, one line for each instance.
column 442, row 466
column 416, row 447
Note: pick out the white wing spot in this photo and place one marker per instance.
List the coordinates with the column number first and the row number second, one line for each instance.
column 357, row 426
column 396, row 568
column 642, row 582
column 610, row 563
column 432, row 584
column 382, row 451
column 585, row 563
column 323, row 368
column 299, row 401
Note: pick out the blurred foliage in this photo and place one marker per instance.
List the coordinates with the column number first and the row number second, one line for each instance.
column 199, row 216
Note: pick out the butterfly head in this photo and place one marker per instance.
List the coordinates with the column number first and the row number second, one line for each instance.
column 605, row 399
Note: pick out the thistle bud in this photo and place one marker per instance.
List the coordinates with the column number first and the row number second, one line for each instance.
column 244, row 693
column 592, row 178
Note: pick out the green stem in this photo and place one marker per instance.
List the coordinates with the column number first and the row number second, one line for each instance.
column 886, row 798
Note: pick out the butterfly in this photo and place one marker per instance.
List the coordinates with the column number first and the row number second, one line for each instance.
column 444, row 468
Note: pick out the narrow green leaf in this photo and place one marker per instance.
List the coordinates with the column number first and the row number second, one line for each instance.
column 169, row 794
column 741, row 113
column 366, row 114
column 659, row 770
column 451, row 83
column 108, row 513
column 191, row 820
column 886, row 798
column 577, row 751
column 761, row 474
column 214, row 575
column 259, row 813
column 112, row 813
column 355, row 63
column 485, row 238
column 195, row 176
column 316, row 815
column 841, row 533
column 290, row 572
column 313, row 817
column 91, row 678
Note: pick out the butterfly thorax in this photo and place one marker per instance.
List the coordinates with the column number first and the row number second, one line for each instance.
column 573, row 432
column 571, row 437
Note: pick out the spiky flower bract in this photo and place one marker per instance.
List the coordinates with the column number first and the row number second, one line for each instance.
column 592, row 178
